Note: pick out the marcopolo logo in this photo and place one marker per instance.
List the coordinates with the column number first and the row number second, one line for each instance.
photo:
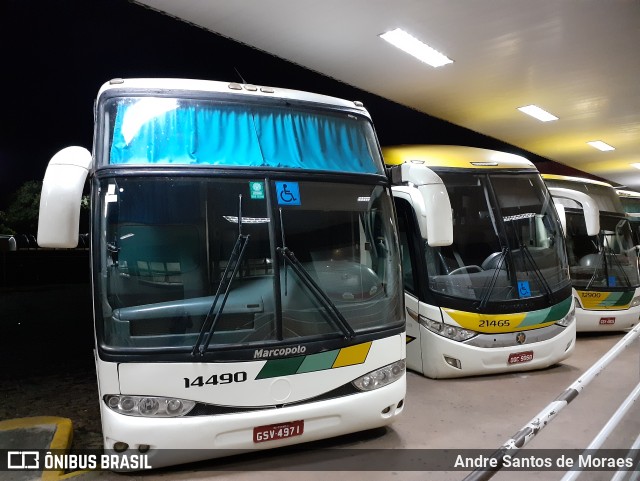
column 279, row 352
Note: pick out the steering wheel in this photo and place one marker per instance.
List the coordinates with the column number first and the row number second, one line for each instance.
column 466, row 268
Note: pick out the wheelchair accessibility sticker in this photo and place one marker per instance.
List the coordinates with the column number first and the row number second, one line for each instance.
column 523, row 289
column 288, row 193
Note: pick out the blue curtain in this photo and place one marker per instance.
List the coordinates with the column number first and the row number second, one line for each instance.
column 235, row 135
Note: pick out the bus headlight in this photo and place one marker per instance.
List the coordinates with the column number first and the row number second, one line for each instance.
column 148, row 406
column 381, row 377
column 635, row 302
column 568, row 319
column 446, row 330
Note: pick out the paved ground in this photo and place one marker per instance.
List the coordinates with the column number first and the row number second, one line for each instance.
column 46, row 369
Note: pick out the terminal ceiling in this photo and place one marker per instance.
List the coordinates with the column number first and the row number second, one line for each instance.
column 576, row 59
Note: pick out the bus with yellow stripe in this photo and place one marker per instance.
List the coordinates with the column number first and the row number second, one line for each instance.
column 603, row 267
column 630, row 200
column 245, row 265
column 485, row 269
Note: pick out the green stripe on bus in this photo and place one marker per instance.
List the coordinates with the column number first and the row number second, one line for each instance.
column 618, row 299
column 318, row 362
column 547, row 315
column 280, row 367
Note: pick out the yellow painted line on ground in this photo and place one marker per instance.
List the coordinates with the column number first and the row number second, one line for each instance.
column 61, row 441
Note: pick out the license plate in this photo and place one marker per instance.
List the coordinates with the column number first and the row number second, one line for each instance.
column 518, row 357
column 607, row 320
column 274, row 432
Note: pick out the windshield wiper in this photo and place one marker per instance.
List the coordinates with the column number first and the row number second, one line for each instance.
column 233, row 264
column 318, row 292
column 494, row 278
column 536, row 270
column 606, row 255
column 526, row 256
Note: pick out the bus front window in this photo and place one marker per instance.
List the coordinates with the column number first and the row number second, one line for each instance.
column 162, row 281
column 608, row 260
column 507, row 241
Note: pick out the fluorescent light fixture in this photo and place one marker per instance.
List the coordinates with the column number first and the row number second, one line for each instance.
column 408, row 43
column 600, row 145
column 538, row 113
column 636, row 165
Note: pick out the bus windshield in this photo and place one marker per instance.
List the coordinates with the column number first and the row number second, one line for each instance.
column 317, row 261
column 507, row 241
column 606, row 260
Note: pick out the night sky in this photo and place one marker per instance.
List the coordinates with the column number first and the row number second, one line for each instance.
column 57, row 54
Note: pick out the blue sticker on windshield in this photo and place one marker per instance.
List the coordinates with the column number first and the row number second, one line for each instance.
column 612, row 281
column 523, row 289
column 288, row 193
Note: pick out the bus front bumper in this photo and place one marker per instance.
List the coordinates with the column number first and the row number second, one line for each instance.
column 444, row 358
column 606, row 320
column 171, row 441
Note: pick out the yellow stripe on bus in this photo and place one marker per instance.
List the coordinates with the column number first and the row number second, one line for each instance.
column 352, row 355
column 495, row 323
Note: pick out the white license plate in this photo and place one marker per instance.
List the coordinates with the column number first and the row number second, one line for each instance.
column 519, row 357
column 274, row 432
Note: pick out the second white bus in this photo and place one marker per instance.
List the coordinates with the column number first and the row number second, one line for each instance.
column 604, row 267
column 486, row 275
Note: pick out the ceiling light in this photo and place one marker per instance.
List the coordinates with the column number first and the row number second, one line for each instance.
column 637, row 165
column 537, row 113
column 415, row 47
column 600, row 145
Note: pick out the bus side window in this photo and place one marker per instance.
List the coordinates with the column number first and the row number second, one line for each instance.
column 405, row 222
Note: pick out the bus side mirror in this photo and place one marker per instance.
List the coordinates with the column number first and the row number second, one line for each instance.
column 428, row 196
column 438, row 217
column 590, row 209
column 59, row 218
column 562, row 215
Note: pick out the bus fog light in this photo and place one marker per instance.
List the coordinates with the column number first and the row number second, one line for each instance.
column 454, row 333
column 174, row 406
column 453, row 362
column 568, row 319
column 127, row 404
column 120, row 447
column 381, row 377
column 143, row 448
column 148, row 406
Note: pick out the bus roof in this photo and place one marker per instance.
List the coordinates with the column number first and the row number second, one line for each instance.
column 578, row 180
column 456, row 156
column 162, row 85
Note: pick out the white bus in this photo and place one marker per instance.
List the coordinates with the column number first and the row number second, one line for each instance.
column 486, row 276
column 604, row 267
column 245, row 266
column 631, row 204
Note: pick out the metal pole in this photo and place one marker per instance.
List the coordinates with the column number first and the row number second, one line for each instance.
column 544, row 417
column 604, row 433
column 619, row 476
